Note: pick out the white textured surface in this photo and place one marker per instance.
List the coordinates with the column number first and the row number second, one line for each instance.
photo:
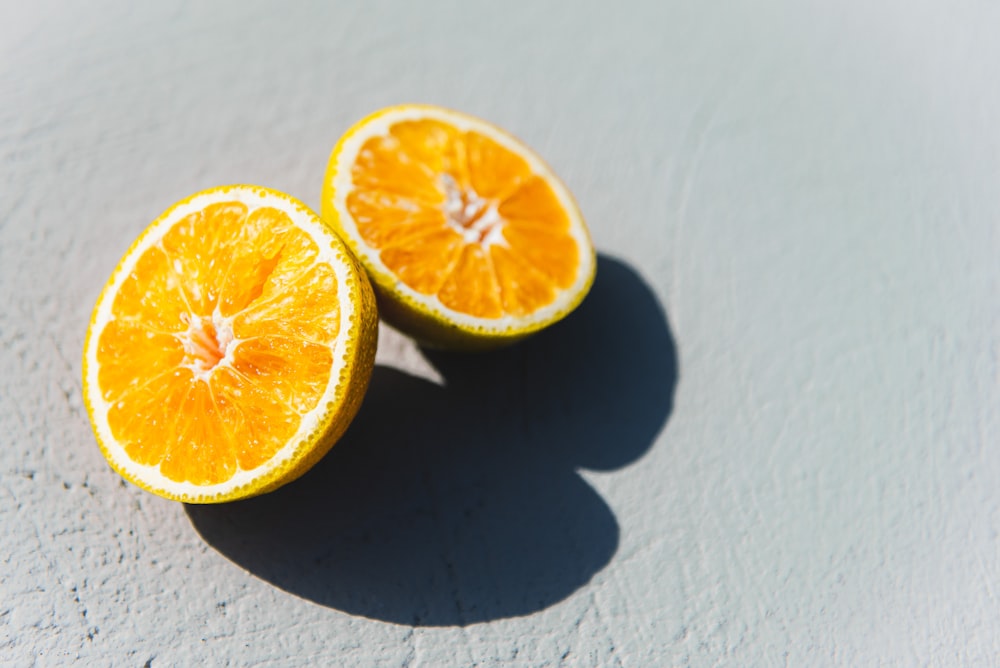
column 809, row 193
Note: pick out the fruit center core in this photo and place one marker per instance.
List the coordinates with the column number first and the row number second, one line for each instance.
column 206, row 342
column 474, row 217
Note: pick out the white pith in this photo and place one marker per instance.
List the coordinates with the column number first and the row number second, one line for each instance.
column 472, row 216
column 200, row 347
column 341, row 183
column 330, row 252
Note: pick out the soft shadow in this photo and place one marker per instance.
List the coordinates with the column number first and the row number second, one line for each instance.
column 461, row 503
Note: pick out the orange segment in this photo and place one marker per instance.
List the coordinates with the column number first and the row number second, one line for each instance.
column 144, row 425
column 257, row 413
column 552, row 254
column 494, row 171
column 267, row 253
column 156, row 353
column 230, row 349
column 200, row 450
column 523, row 288
column 152, row 294
column 425, row 264
column 294, row 372
column 384, row 219
column 472, row 286
column 470, row 239
column 199, row 249
column 380, row 168
column 438, row 147
column 308, row 298
column 534, row 204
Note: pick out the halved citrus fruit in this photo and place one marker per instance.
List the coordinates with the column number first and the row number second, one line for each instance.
column 230, row 348
column 470, row 239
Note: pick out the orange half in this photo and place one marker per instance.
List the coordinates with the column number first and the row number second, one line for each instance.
column 470, row 239
column 230, row 348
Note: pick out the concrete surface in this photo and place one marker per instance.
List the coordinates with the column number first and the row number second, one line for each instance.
column 768, row 438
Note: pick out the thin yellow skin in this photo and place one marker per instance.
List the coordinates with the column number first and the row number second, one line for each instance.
column 429, row 327
column 362, row 333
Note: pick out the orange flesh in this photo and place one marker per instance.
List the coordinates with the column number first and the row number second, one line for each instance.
column 220, row 341
column 456, row 215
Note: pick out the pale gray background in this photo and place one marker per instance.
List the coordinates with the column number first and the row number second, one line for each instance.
column 768, row 438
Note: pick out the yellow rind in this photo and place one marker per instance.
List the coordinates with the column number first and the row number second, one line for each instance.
column 362, row 335
column 430, row 326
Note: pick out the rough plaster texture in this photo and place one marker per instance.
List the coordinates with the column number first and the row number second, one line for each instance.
column 768, row 438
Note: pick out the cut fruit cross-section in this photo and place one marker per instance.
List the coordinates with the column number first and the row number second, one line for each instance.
column 230, row 348
column 469, row 238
